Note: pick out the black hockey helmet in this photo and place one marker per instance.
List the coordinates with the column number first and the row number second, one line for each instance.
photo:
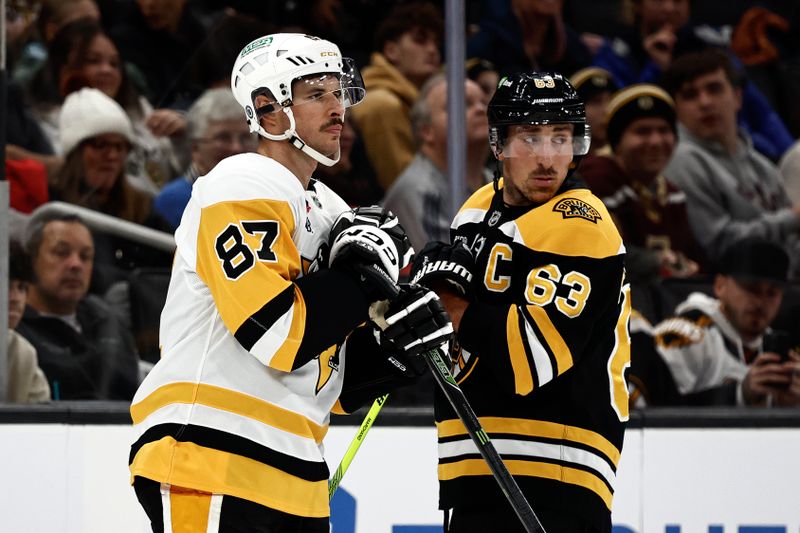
column 537, row 98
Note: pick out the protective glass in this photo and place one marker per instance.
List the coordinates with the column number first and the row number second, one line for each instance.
column 347, row 87
column 545, row 141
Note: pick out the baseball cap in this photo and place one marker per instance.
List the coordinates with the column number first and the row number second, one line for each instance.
column 755, row 259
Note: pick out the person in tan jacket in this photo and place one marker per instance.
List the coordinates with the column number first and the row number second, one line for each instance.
column 26, row 381
column 407, row 44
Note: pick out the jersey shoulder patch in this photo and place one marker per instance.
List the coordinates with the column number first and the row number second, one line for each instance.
column 575, row 223
column 570, row 207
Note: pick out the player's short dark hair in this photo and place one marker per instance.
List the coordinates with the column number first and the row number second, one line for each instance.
column 408, row 17
column 692, row 65
column 34, row 232
column 19, row 264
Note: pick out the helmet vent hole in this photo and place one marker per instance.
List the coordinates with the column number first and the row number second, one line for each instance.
column 247, row 68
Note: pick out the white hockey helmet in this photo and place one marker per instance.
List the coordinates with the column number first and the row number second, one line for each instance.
column 271, row 63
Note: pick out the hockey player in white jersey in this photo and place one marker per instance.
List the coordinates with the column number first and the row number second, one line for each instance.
column 265, row 330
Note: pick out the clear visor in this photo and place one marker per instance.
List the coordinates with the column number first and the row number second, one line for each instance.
column 347, row 88
column 541, row 141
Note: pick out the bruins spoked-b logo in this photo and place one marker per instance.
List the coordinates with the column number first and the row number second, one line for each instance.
column 572, row 208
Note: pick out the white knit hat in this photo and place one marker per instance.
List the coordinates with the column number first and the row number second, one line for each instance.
column 89, row 112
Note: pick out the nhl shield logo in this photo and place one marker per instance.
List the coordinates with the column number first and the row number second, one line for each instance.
column 494, row 219
column 575, row 208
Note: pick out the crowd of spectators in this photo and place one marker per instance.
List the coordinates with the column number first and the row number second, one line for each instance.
column 118, row 106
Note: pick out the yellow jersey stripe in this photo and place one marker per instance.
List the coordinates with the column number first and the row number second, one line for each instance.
column 566, row 474
column 186, row 464
column 188, row 510
column 523, row 378
column 284, row 356
column 228, row 400
column 553, row 338
column 621, row 359
column 534, row 428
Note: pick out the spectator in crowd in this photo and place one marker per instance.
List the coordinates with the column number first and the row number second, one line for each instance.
column 650, row 382
column 25, row 380
column 52, row 16
column 407, row 44
column 210, row 66
column 716, row 348
column 160, row 37
column 24, row 136
column 790, row 170
column 216, row 131
column 483, row 72
column 82, row 55
column 649, row 211
column 352, row 177
column 96, row 138
column 765, row 41
column 84, row 351
column 520, row 35
column 595, row 86
column 640, row 52
column 661, row 32
column 541, row 322
column 420, row 196
column 732, row 191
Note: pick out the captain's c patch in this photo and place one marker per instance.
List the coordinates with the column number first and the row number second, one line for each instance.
column 572, row 208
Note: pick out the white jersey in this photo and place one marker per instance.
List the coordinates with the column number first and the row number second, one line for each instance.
column 701, row 347
column 227, row 409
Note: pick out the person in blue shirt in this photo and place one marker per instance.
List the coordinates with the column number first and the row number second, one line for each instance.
column 216, row 131
column 661, row 32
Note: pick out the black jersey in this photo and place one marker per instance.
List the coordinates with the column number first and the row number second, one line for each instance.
column 542, row 356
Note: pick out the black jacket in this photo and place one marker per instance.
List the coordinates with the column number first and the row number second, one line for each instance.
column 100, row 363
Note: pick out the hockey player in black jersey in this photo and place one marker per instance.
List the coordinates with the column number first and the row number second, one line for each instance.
column 541, row 308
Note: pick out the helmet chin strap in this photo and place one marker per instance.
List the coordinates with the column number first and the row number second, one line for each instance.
column 291, row 135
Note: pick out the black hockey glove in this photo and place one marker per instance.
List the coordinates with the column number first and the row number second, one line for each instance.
column 412, row 324
column 451, row 263
column 369, row 243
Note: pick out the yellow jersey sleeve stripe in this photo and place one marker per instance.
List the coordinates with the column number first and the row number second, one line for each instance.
column 523, row 379
column 284, row 356
column 337, row 408
column 574, row 476
column 553, row 338
column 231, row 401
column 534, row 428
column 186, row 464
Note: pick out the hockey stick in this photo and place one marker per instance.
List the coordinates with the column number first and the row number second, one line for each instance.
column 459, row 402
column 355, row 444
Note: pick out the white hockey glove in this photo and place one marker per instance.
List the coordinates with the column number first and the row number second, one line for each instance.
column 451, row 263
column 412, row 324
column 370, row 243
